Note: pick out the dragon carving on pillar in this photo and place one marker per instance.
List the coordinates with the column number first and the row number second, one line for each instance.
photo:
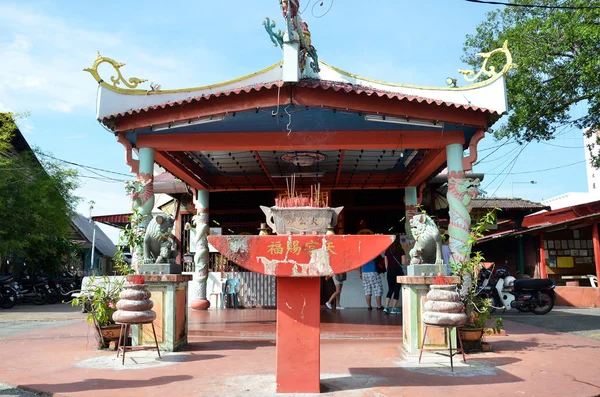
column 199, row 232
column 461, row 191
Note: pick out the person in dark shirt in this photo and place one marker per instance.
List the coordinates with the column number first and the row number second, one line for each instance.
column 394, row 259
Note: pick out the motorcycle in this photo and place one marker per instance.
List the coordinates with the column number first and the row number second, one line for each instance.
column 64, row 288
column 526, row 295
column 32, row 290
column 8, row 295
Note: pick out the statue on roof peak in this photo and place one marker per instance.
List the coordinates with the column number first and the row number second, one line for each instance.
column 297, row 32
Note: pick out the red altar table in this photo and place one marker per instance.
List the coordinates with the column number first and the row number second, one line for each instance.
column 298, row 261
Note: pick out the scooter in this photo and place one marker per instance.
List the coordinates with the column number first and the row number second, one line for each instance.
column 525, row 295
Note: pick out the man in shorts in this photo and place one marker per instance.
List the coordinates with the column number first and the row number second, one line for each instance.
column 371, row 283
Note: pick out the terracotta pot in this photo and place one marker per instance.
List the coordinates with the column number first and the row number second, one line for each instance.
column 471, row 334
column 110, row 332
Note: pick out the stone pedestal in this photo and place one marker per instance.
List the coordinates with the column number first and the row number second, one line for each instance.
column 169, row 294
column 414, row 296
column 427, row 270
column 160, row 268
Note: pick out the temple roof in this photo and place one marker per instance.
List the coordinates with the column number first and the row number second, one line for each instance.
column 507, row 203
column 487, row 96
column 305, row 117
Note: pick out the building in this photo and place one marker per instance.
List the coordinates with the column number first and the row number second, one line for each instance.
column 87, row 234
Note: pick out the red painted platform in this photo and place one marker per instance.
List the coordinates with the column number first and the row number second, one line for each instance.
column 301, row 255
column 298, row 261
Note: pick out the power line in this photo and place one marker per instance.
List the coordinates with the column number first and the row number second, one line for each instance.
column 501, row 3
column 493, row 147
column 564, row 147
column 546, row 169
column 83, row 166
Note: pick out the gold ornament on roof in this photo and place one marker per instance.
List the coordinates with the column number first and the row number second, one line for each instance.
column 490, row 71
column 131, row 83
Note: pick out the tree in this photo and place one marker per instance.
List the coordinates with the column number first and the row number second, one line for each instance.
column 37, row 202
column 557, row 53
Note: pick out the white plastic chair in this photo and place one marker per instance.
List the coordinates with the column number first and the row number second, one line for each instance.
column 593, row 281
column 218, row 292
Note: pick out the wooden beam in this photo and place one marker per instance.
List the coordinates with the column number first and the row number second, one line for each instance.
column 172, row 166
column 309, row 140
column 339, row 171
column 432, row 161
column 373, row 104
column 203, row 108
column 264, row 167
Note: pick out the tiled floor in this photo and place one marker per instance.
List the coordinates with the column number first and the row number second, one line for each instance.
column 349, row 323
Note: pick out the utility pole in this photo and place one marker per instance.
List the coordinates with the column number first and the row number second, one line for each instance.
column 93, row 238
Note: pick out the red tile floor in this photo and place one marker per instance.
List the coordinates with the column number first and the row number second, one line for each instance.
column 349, row 323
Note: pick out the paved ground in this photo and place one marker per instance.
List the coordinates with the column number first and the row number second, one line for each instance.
column 27, row 318
column 9, row 391
column 530, row 361
column 582, row 322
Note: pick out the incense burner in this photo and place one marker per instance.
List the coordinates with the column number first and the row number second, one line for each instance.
column 301, row 220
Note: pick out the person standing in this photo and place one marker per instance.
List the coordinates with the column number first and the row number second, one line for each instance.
column 394, row 259
column 336, row 297
column 446, row 249
column 371, row 283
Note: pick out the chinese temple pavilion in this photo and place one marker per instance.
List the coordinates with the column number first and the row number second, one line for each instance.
column 305, row 117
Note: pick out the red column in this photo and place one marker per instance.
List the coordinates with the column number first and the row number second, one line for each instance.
column 543, row 273
column 596, row 240
column 298, row 335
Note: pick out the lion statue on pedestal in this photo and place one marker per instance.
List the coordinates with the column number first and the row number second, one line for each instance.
column 428, row 241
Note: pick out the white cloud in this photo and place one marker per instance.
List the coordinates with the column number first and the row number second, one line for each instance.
column 43, row 57
column 4, row 109
column 26, row 126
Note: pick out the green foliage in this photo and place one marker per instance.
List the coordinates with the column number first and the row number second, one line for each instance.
column 130, row 237
column 37, row 203
column 557, row 56
column 477, row 308
column 100, row 298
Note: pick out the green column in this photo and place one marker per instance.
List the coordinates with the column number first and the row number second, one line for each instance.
column 141, row 191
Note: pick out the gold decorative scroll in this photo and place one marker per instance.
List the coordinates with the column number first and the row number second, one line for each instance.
column 490, row 72
column 130, row 83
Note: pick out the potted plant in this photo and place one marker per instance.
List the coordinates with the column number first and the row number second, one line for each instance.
column 100, row 298
column 477, row 308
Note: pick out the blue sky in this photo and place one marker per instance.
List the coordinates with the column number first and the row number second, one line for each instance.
column 44, row 45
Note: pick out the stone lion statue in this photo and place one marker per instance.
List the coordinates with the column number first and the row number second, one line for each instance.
column 428, row 241
column 158, row 248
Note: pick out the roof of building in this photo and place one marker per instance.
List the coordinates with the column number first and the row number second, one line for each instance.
column 86, row 228
column 507, row 203
column 488, row 96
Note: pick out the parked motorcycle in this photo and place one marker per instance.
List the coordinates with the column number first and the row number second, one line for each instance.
column 33, row 290
column 8, row 295
column 525, row 295
column 62, row 289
